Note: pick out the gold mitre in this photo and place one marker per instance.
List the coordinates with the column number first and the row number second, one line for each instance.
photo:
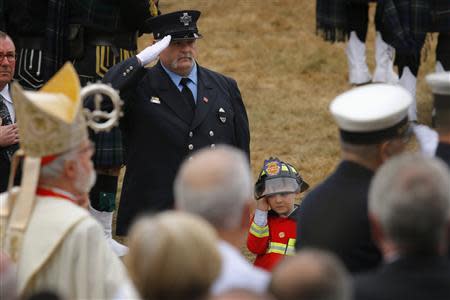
column 51, row 120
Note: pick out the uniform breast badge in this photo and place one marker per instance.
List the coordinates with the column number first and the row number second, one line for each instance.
column 155, row 100
column 222, row 116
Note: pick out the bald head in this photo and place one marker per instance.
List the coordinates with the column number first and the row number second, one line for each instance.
column 215, row 184
column 312, row 275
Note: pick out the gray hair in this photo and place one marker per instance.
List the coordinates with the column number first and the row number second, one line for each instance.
column 410, row 197
column 55, row 168
column 215, row 184
column 311, row 274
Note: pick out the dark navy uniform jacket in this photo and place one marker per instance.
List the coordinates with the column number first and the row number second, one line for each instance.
column 161, row 130
column 443, row 152
column 412, row 278
column 334, row 217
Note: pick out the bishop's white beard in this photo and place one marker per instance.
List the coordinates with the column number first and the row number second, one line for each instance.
column 84, row 182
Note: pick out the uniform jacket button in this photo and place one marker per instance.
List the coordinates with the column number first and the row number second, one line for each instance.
column 191, row 147
column 191, row 134
column 211, row 133
column 213, row 146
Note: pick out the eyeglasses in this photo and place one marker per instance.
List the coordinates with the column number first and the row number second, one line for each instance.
column 9, row 57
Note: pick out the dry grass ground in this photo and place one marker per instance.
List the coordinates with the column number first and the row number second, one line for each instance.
column 287, row 76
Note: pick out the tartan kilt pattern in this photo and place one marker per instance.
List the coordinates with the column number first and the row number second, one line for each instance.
column 407, row 23
column 441, row 16
column 332, row 18
column 109, row 152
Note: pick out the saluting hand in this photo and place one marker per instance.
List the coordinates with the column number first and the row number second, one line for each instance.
column 263, row 204
column 9, row 135
column 151, row 52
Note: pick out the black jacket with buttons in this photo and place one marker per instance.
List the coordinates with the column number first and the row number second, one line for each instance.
column 160, row 130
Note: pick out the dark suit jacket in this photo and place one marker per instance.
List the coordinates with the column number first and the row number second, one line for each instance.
column 334, row 217
column 443, row 152
column 407, row 278
column 5, row 163
column 160, row 130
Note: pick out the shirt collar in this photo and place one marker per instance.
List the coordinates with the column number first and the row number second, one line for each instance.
column 5, row 93
column 177, row 78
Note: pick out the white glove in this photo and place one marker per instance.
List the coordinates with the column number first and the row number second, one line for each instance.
column 428, row 139
column 151, row 52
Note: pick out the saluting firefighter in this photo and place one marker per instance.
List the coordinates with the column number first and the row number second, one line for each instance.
column 339, row 20
column 171, row 110
column 272, row 234
column 101, row 34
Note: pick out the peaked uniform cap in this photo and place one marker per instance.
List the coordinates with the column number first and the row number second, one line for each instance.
column 369, row 114
column 50, row 121
column 181, row 25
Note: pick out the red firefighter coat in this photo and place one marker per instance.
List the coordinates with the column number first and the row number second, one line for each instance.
column 272, row 242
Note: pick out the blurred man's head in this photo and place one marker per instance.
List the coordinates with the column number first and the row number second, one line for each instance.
column 173, row 255
column 409, row 205
column 373, row 123
column 217, row 185
column 7, row 59
column 311, row 274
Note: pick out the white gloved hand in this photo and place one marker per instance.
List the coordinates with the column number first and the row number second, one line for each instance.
column 428, row 139
column 151, row 52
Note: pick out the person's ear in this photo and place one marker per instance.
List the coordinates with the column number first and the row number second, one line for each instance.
column 70, row 169
column 385, row 151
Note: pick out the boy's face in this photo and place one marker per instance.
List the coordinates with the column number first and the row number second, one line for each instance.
column 282, row 203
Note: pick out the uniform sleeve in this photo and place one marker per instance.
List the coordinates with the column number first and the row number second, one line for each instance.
column 242, row 130
column 258, row 238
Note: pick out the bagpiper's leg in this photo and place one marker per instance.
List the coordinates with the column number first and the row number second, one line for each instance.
column 102, row 197
column 384, row 57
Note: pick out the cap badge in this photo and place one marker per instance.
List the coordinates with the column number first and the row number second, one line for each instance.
column 185, row 19
column 222, row 115
column 272, row 168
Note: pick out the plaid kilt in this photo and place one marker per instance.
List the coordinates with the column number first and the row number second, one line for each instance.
column 405, row 25
column 441, row 16
column 97, row 59
column 332, row 18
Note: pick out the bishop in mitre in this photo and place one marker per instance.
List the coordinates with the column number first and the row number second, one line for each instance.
column 44, row 227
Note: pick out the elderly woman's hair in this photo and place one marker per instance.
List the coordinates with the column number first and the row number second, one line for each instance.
column 173, row 255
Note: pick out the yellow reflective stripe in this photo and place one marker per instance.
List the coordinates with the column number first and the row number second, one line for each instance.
column 259, row 231
column 281, row 248
column 276, row 248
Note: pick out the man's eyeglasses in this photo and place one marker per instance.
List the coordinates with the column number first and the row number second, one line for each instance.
column 9, row 57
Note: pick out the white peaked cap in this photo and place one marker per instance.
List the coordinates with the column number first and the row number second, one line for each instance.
column 371, row 112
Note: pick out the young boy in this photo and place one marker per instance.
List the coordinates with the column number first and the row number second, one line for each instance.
column 272, row 234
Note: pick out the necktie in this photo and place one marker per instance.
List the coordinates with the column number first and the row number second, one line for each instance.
column 187, row 93
column 4, row 113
